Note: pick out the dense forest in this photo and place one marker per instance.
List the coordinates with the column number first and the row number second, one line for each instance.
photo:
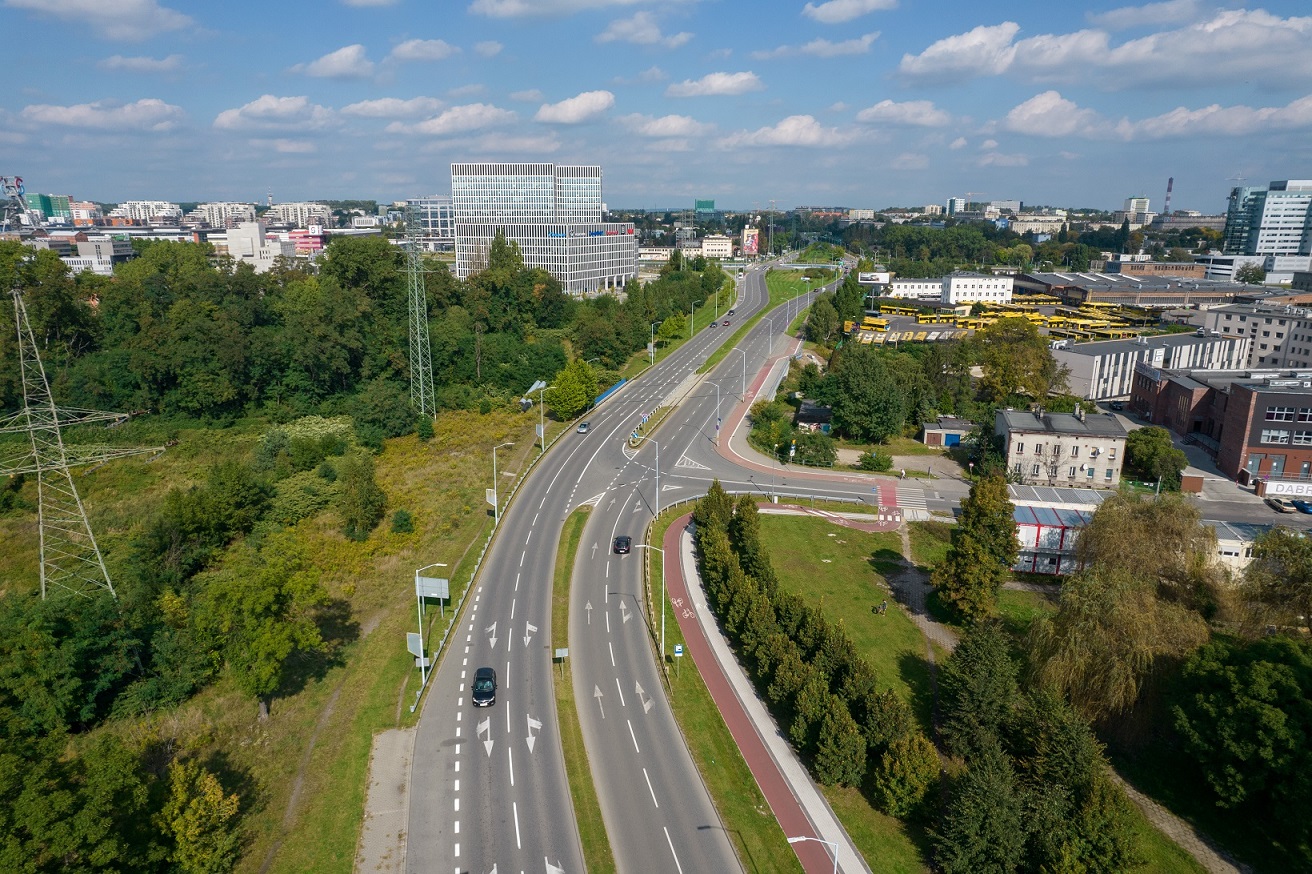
column 307, row 370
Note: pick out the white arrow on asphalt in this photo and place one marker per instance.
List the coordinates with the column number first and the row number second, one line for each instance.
column 492, row 630
column 486, row 725
column 588, row 607
column 493, row 871
column 533, row 725
column 646, row 700
column 528, row 632
column 552, row 869
column 596, row 693
column 594, row 550
column 625, row 613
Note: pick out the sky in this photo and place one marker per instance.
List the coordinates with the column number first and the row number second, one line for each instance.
column 856, row 103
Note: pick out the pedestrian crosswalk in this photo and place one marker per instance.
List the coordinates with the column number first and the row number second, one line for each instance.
column 912, row 503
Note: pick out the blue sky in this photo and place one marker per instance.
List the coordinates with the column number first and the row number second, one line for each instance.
column 860, row 103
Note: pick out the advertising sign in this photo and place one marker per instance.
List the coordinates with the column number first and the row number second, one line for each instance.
column 1289, row 488
column 751, row 238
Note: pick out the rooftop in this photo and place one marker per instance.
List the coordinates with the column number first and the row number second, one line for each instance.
column 1105, row 347
column 1136, row 282
column 1040, row 422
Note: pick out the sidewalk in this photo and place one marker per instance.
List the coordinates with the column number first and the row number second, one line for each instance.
column 793, row 798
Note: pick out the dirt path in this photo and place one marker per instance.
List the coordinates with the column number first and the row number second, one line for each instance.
column 1192, row 841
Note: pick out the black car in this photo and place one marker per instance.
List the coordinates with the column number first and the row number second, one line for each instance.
column 1117, row 405
column 484, row 687
column 623, row 544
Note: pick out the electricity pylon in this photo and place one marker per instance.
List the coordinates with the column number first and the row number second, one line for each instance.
column 421, row 360
column 70, row 557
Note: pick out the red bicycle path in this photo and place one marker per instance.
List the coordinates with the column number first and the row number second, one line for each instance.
column 792, row 818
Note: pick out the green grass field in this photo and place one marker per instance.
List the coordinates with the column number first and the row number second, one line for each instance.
column 783, row 285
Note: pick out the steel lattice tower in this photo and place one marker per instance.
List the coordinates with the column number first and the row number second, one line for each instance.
column 421, row 361
column 70, row 557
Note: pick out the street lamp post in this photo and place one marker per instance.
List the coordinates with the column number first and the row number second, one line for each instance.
column 831, row 844
column 656, row 504
column 542, row 414
column 419, row 610
column 652, row 349
column 496, row 503
column 662, row 552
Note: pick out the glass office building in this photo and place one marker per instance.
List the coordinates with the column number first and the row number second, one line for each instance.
column 552, row 212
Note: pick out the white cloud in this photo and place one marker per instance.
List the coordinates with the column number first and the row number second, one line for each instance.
column 822, row 48
column 958, row 143
column 488, row 48
column 666, row 126
column 716, row 83
column 997, row 159
column 424, row 50
column 838, row 11
column 457, row 120
column 467, row 90
column 910, row 161
column 669, row 146
column 652, row 74
column 576, row 109
column 840, row 106
column 542, row 8
column 922, row 113
column 1169, row 12
column 125, row 20
column 642, row 30
column 796, row 130
column 121, row 64
column 393, row 107
column 348, row 62
column 287, row 146
column 989, row 145
column 270, row 112
column 532, row 95
column 1218, row 120
column 1231, row 45
column 147, row 114
column 1051, row 115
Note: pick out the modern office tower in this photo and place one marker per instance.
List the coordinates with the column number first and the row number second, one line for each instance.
column 1276, row 220
column 437, row 229
column 552, row 212
column 956, row 205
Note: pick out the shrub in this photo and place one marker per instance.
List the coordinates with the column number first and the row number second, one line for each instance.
column 905, row 775
column 403, row 522
column 876, row 461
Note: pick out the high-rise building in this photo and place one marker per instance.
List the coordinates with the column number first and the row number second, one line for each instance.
column 437, row 229
column 155, row 212
column 1276, row 220
column 222, row 214
column 300, row 214
column 553, row 213
column 956, row 205
column 54, row 208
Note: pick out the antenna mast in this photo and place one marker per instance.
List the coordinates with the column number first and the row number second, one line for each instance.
column 421, row 361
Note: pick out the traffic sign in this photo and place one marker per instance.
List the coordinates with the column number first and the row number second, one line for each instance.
column 678, row 650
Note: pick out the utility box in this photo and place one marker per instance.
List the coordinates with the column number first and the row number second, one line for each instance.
column 1191, row 484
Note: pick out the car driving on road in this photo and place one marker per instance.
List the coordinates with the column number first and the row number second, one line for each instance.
column 623, row 544
column 484, row 688
column 583, row 427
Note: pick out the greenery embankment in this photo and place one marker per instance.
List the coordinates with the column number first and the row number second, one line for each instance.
column 783, row 285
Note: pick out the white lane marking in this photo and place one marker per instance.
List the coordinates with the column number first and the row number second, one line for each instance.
column 457, row 766
column 514, row 808
column 457, row 850
column 608, row 620
column 517, row 582
column 635, row 738
column 621, row 691
column 512, row 608
column 510, row 755
column 457, row 785
column 611, row 647
column 649, row 789
column 528, row 537
column 535, row 519
column 607, row 568
column 670, row 841
column 457, row 803
column 521, row 557
column 457, row 829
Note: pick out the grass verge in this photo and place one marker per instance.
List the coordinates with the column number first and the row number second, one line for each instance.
column 597, row 854
column 759, row 841
column 783, row 286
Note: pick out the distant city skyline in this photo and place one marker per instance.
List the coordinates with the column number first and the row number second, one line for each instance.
column 858, row 103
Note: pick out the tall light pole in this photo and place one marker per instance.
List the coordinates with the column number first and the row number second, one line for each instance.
column 540, row 387
column 653, row 343
column 744, row 355
column 662, row 552
column 831, row 844
column 655, row 507
column 496, row 504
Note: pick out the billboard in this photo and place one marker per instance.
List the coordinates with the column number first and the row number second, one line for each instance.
column 751, row 237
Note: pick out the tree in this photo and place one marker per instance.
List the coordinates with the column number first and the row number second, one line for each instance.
column 822, row 322
column 840, row 757
column 1016, row 360
column 978, row 690
column 1278, row 584
column 573, row 390
column 1244, row 711
column 987, row 513
column 361, row 502
column 1110, row 633
column 1251, row 274
column 1151, row 455
column 969, row 577
column 200, row 818
column 869, row 403
column 984, row 829
column 905, row 775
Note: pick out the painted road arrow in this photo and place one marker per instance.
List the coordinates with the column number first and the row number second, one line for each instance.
column 492, row 630
column 625, row 613
column 596, row 693
column 588, row 607
column 644, row 698
column 529, row 628
column 486, row 725
column 533, row 725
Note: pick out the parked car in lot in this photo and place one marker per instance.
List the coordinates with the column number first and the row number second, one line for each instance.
column 484, row 687
column 623, row 544
column 1280, row 505
column 1302, row 506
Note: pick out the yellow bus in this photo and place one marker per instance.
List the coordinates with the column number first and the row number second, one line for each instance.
column 895, row 310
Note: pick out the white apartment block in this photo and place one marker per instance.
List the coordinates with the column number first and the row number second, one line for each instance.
column 1276, row 220
column 717, row 246
column 552, row 212
column 149, row 211
column 860, row 215
column 1062, row 449
column 976, row 287
column 1103, row 370
column 915, row 289
column 300, row 215
column 249, row 243
column 1281, row 336
column 221, row 215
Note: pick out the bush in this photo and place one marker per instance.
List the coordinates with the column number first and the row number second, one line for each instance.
column 876, row 461
column 424, row 429
column 905, row 775
column 403, row 522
